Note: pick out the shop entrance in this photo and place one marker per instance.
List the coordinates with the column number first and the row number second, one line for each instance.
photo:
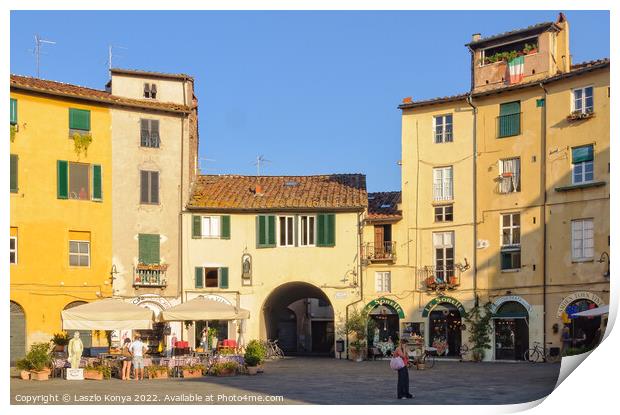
column 384, row 326
column 301, row 317
column 583, row 330
column 445, row 330
column 511, row 331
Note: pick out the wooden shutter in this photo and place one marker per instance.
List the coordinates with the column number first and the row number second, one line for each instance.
column 331, row 229
column 14, row 170
column 265, row 231
column 13, row 111
column 271, row 230
column 79, row 119
column 225, row 227
column 62, row 179
column 154, row 187
column 155, row 133
column 196, row 226
column 326, row 229
column 148, row 248
column 198, row 277
column 320, row 230
column 261, row 231
column 97, row 192
column 223, row 277
column 144, row 132
column 379, row 239
column 144, row 186
column 509, row 119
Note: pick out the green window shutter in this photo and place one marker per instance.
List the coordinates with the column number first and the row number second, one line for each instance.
column 320, row 230
column 224, row 277
column 225, row 227
column 509, row 119
column 326, row 229
column 582, row 154
column 271, row 230
column 13, row 111
column 97, row 193
column 148, row 248
column 196, row 226
column 540, row 102
column 331, row 229
column 198, row 277
column 261, row 231
column 62, row 170
column 79, row 119
column 14, row 164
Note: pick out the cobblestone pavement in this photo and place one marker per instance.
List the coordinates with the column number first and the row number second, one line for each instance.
column 314, row 381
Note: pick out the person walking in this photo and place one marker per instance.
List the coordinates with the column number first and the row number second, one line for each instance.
column 137, row 349
column 402, row 389
column 126, row 369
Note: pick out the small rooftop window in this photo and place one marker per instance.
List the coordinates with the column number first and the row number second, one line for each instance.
column 291, row 183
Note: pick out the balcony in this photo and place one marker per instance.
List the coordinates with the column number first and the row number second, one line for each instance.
column 379, row 252
column 508, row 125
column 150, row 275
column 435, row 279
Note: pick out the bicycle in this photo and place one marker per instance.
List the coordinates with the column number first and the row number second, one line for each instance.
column 273, row 350
column 427, row 358
column 539, row 354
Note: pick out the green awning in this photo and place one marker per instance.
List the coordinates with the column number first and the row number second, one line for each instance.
column 584, row 153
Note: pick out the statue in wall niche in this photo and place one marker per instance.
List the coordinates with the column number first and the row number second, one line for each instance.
column 76, row 347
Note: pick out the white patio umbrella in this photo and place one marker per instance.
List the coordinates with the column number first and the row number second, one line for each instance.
column 107, row 314
column 593, row 312
column 201, row 308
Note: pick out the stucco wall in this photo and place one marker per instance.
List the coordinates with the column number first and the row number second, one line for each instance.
column 132, row 86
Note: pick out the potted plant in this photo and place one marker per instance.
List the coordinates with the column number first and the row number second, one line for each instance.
column 356, row 327
column 60, row 340
column 97, row 372
column 530, row 49
column 40, row 360
column 228, row 368
column 192, row 371
column 479, row 330
column 255, row 354
column 212, row 337
column 157, row 372
column 24, row 367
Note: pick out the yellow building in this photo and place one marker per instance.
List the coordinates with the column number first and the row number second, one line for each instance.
column 61, row 209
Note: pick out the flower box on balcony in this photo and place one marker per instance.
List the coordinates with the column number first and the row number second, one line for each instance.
column 152, row 267
column 579, row 115
column 507, row 174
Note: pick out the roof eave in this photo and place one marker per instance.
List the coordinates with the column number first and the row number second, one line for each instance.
column 346, row 209
column 528, row 31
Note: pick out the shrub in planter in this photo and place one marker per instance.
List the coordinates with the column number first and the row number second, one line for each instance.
column 229, row 368
column 97, row 372
column 255, row 354
column 157, row 372
column 193, row 371
column 60, row 340
column 25, row 367
column 39, row 361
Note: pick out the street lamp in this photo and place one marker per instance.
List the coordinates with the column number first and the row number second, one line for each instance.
column 601, row 260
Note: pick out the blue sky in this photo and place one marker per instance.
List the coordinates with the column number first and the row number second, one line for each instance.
column 314, row 92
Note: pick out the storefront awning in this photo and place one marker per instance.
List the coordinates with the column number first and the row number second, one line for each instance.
column 594, row 312
column 107, row 314
column 201, row 308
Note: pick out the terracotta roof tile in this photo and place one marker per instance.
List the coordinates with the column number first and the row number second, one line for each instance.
column 239, row 193
column 384, row 206
column 89, row 94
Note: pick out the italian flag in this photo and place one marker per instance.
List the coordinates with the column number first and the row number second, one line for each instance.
column 515, row 69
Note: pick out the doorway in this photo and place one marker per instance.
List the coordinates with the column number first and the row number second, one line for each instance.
column 17, row 340
column 445, row 330
column 511, row 331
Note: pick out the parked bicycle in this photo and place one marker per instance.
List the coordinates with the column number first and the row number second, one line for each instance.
column 273, row 350
column 427, row 358
column 539, row 354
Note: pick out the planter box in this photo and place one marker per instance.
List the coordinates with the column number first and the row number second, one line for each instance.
column 39, row 375
column 229, row 372
column 93, row 375
column 159, row 374
column 192, row 373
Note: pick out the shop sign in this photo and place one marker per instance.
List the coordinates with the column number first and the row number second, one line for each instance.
column 387, row 302
column 508, row 298
column 218, row 298
column 443, row 299
column 582, row 295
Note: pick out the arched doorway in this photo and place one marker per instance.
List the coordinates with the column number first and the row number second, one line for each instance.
column 17, row 338
column 583, row 330
column 385, row 324
column 444, row 323
column 85, row 335
column 301, row 317
column 512, row 338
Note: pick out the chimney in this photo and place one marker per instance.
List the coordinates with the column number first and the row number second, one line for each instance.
column 258, row 190
column 407, row 100
column 475, row 37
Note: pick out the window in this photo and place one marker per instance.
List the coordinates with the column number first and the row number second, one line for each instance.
column 443, row 128
column 510, row 175
column 148, row 248
column 583, row 100
column 383, row 282
column 13, row 111
column 79, row 253
column 149, row 187
column 79, row 120
column 149, row 133
column 150, row 91
column 583, row 239
column 211, row 277
column 509, row 120
column 307, row 230
column 286, row 231
column 79, row 181
column 443, row 243
column 510, row 241
column 326, row 230
column 13, row 247
column 444, row 213
column 211, row 227
column 14, row 171
column 265, row 231
column 442, row 183
column 583, row 164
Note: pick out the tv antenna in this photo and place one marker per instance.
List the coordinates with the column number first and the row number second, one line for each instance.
column 260, row 161
column 111, row 54
column 38, row 42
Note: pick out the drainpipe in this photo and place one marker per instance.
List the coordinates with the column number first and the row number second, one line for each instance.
column 543, row 174
column 360, row 229
column 475, row 197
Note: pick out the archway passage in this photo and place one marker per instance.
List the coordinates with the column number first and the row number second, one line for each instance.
column 584, row 331
column 445, row 330
column 512, row 337
column 17, row 338
column 301, row 317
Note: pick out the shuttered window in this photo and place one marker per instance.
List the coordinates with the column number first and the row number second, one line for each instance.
column 62, row 175
column 76, row 180
column 148, row 248
column 223, row 277
column 149, row 187
column 583, row 164
column 211, row 277
column 79, row 119
column 14, row 172
column 225, row 227
column 211, row 227
column 326, row 229
column 97, row 192
column 265, row 231
column 13, row 111
column 149, row 133
column 199, row 277
column 509, row 120
column 150, row 91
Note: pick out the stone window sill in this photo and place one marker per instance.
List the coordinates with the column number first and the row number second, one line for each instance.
column 579, row 186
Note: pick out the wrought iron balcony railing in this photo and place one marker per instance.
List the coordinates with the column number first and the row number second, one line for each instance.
column 150, row 275
column 439, row 279
column 379, row 252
